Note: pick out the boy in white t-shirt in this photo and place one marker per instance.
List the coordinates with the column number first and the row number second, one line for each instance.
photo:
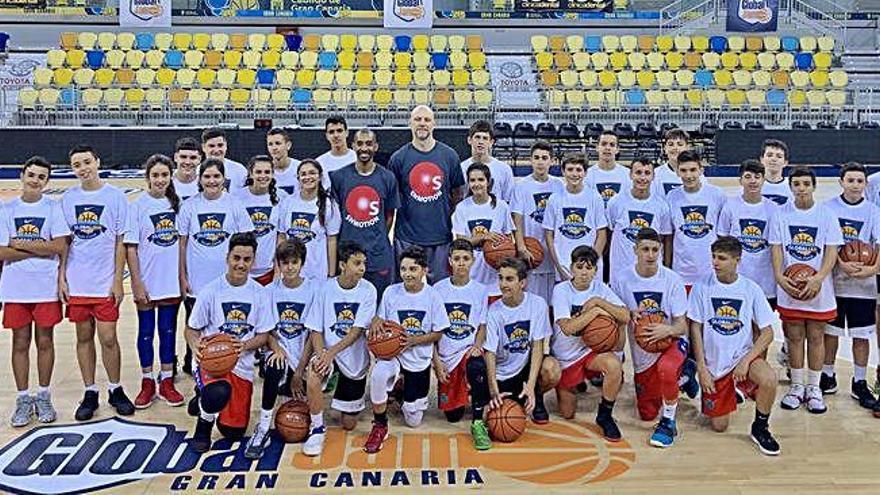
column 215, row 145
column 187, row 157
column 608, row 178
column 419, row 310
column 666, row 178
column 774, row 158
column 284, row 167
column 481, row 139
column 722, row 309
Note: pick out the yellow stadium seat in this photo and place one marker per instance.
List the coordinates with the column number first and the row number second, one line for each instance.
column 348, row 42
column 62, row 76
column 185, row 78
column 55, row 58
column 756, row 97
column 275, row 41
column 800, row 79
column 618, row 60
column 715, row 97
column 363, row 77
column 154, row 59
column 219, row 41
column 366, row 42
column 402, row 98
column 201, row 41
column 626, row 78
column 177, row 97
column 742, row 78
column 458, row 60
column 280, row 97
column 614, row 98
column 68, row 40
column 556, row 43
column 729, row 60
column 460, row 77
column 256, row 41
column 607, row 79
column 42, row 76
column 819, row 78
column 654, row 97
column 822, row 60
column 206, row 77
column 655, row 60
column 383, row 77
column 456, row 42
column 736, row 43
column 125, row 77
column 825, row 44
column 735, row 97
column 384, row 59
column 767, row 60
column 838, row 78
column 808, row 44
column 438, row 42
column 477, row 60
column 646, row 79
column 665, row 43
column 154, row 97
column 474, row 42
column 556, row 98
column 562, row 60
column 784, row 60
column 383, row 97
column 588, row 78
column 344, row 77
column 134, row 97
column 305, row 77
column 134, row 59
column 402, row 78
column 75, row 59
column 568, row 78
column 115, row 59
column 797, row 97
column 711, row 60
column 600, row 60
column 483, row 99
column 723, row 78
column 193, row 58
column 198, row 97
column 251, row 59
column 308, row 59
column 693, row 60
column 402, row 60
column 422, row 78
column 674, row 97
column 544, row 60
column 595, row 98
column 550, row 78
column 761, row 78
column 49, row 97
column 421, row 60
column 674, row 60
column 232, row 59
column 83, row 77
column 836, row 98
column 420, row 43
column 816, row 98
column 285, row 78
column 182, row 41
column 322, row 97
column 346, row 60
column 86, row 40
column 245, row 78
column 441, row 78
column 754, row 43
column 645, row 43
column 700, row 44
column 780, row 79
column 113, row 98
column 665, row 79
column 683, row 43
column 238, row 41
column 636, row 60
column 163, row 41
column 240, row 97
column 104, row 77
column 330, row 42
column 165, row 77
column 610, row 43
column 91, row 97
column 748, row 60
column 225, row 77
column 628, row 43
column 290, row 59
column 106, row 41
column 581, row 60
column 684, row 78
column 442, row 98
column 384, row 43
column 363, row 98
column 341, row 97
column 364, row 60
column 463, row 98
column 218, row 97
column 574, row 43
column 270, row 59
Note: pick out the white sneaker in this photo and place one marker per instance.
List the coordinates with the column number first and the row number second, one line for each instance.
column 314, row 445
column 794, row 398
column 814, row 400
column 412, row 418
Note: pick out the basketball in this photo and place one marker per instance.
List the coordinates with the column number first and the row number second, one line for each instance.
column 536, row 250
column 219, row 355
column 799, row 272
column 386, row 344
column 507, row 422
column 495, row 252
column 292, row 421
column 858, row 251
column 600, row 334
column 641, row 325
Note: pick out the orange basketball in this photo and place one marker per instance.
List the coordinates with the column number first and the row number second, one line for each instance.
column 219, row 355
column 495, row 252
column 386, row 344
column 292, row 421
column 639, row 329
column 858, row 251
column 507, row 422
column 600, row 334
column 536, row 250
column 799, row 272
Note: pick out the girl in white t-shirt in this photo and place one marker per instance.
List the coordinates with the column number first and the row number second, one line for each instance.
column 153, row 256
column 260, row 199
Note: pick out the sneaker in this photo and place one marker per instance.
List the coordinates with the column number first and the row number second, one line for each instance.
column 828, row 384
column 169, row 394
column 609, row 428
column 24, row 411
column 540, row 415
column 860, row 392
column 120, row 402
column 692, row 386
column 257, row 443
column 314, row 445
column 815, row 402
column 664, row 433
column 147, row 394
column 480, row 435
column 87, row 406
column 765, row 441
column 794, row 398
column 45, row 411
column 201, row 439
column 376, row 438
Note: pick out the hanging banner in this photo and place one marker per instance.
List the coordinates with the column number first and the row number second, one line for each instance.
column 145, row 13
column 408, row 14
column 563, row 5
column 514, row 82
column 752, row 16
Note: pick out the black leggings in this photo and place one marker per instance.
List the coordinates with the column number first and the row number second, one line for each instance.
column 479, row 384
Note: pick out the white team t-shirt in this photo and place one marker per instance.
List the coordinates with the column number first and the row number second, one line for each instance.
column 575, row 220
column 298, row 220
column 778, row 192
column 186, row 190
column 567, row 303
column 861, row 222
column 628, row 215
column 608, row 183
column 419, row 314
column 23, row 221
column 502, row 177
column 241, row 311
column 236, row 174
column 264, row 217
column 466, row 310
column 511, row 331
column 662, row 293
column 330, row 162
column 337, row 310
column 726, row 312
column 290, row 312
column 470, row 219
column 694, row 229
column 530, row 200
column 96, row 219
column 287, row 179
column 804, row 236
column 665, row 180
column 209, row 223
column 152, row 227
column 750, row 224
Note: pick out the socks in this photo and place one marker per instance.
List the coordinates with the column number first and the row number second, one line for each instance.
column 812, row 377
column 148, row 375
column 828, row 369
column 477, row 413
column 42, row 390
column 91, row 388
column 761, row 420
column 24, row 393
column 265, row 418
column 860, row 373
column 381, row 418
column 207, row 416
column 606, row 407
column 669, row 410
column 797, row 376
column 164, row 374
column 317, row 420
column 112, row 386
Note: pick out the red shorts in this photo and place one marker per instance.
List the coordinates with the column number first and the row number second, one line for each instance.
column 237, row 413
column 81, row 309
column 723, row 401
column 266, row 278
column 577, row 372
column 800, row 315
column 649, row 388
column 455, row 392
column 42, row 314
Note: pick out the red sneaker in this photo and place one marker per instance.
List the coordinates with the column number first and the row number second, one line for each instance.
column 147, row 394
column 169, row 394
column 376, row 438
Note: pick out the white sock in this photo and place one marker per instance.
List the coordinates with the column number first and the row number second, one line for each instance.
column 43, row 390
column 164, row 375
column 112, row 386
column 266, row 418
column 24, row 393
column 860, row 373
column 317, row 420
column 669, row 410
column 797, row 376
column 813, row 377
column 91, row 388
column 828, row 369
column 148, row 375
column 207, row 417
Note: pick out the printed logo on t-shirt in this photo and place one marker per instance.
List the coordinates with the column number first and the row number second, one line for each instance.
column 540, row 200
column 695, row 225
column 608, row 190
column 211, row 231
column 479, row 226
column 412, row 321
column 459, row 321
column 362, row 206
column 751, row 235
column 573, row 224
column 649, row 302
column 345, row 315
column 28, row 228
column 235, row 318
column 638, row 220
column 426, row 182
column 260, row 218
column 301, row 226
column 517, row 337
column 288, row 189
column 850, row 229
column 289, row 319
column 726, row 320
column 803, row 242
column 776, row 198
column 88, row 221
column 669, row 186
column 164, row 229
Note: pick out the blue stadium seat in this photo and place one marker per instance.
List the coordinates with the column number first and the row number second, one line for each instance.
column 145, row 41
column 174, row 59
column 593, row 44
column 68, row 96
column 635, row 97
column 293, row 42
column 439, row 60
column 718, row 44
column 266, row 77
column 790, row 43
column 4, row 40
column 804, row 61
column 704, row 78
column 402, row 43
column 95, row 59
column 327, row 60
column 301, row 96
column 776, row 97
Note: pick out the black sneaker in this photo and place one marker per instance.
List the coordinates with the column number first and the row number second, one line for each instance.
column 540, row 415
column 860, row 392
column 201, row 439
column 609, row 428
column 765, row 441
column 88, row 406
column 828, row 384
column 120, row 402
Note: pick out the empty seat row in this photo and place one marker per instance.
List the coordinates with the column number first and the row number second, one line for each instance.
column 702, row 78
column 681, row 43
column 694, row 97
column 619, row 60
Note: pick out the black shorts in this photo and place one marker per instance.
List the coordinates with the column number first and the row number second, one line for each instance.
column 855, row 318
column 514, row 385
column 416, row 384
column 349, row 390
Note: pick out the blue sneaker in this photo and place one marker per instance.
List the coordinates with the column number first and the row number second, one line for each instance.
column 692, row 386
column 664, row 433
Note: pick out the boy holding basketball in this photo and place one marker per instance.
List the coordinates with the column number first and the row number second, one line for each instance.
column 721, row 310
column 805, row 233
column 235, row 305
column 418, row 309
column 575, row 304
